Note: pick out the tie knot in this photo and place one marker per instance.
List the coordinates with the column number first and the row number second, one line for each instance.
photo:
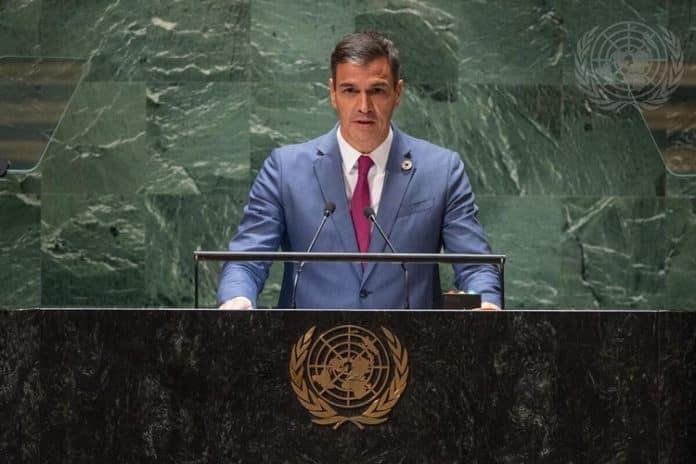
column 364, row 164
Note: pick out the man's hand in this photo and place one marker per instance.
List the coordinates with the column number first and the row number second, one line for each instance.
column 486, row 306
column 239, row 302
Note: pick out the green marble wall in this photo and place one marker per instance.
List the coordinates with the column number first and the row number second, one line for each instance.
column 184, row 100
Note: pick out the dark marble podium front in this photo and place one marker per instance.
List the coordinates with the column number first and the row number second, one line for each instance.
column 137, row 386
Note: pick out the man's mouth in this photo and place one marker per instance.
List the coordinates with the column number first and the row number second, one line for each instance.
column 364, row 122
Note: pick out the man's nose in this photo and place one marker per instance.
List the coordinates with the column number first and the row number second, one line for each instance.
column 365, row 103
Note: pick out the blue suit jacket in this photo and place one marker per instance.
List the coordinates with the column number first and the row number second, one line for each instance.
column 421, row 210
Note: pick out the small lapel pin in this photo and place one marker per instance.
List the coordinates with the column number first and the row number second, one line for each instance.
column 406, row 165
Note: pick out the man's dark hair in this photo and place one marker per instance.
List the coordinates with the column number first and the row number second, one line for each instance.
column 362, row 48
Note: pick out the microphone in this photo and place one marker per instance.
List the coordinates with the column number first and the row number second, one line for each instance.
column 4, row 167
column 370, row 215
column 329, row 208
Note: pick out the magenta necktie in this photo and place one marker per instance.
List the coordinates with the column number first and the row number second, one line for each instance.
column 360, row 201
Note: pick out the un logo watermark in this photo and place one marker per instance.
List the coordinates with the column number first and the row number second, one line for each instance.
column 628, row 64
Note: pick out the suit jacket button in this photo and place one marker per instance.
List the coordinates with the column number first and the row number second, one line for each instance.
column 363, row 293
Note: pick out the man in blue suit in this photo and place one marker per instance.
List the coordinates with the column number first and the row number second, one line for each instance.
column 420, row 192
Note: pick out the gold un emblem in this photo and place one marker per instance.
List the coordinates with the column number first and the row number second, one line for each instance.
column 345, row 370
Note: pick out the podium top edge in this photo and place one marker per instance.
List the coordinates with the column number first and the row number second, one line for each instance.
column 341, row 256
column 312, row 310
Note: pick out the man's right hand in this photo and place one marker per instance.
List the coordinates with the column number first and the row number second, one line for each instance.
column 239, row 302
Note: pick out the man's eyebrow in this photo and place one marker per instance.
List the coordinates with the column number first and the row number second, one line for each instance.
column 376, row 84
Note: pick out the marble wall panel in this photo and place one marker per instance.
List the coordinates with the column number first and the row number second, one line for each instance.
column 197, row 137
column 10, row 184
column 178, row 225
column 291, row 40
column 111, row 33
column 426, row 38
column 188, row 98
column 681, row 19
column 607, row 153
column 614, row 252
column 100, row 145
column 680, row 259
column 268, row 298
column 19, row 32
column 680, row 186
column 206, row 40
column 20, row 254
column 580, row 16
column 511, row 42
column 508, row 136
column 526, row 229
column 92, row 250
column 285, row 113
column 20, row 240
column 29, row 183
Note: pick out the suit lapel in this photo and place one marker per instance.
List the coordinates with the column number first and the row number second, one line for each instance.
column 396, row 183
column 329, row 172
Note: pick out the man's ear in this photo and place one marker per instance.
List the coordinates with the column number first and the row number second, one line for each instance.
column 399, row 90
column 332, row 92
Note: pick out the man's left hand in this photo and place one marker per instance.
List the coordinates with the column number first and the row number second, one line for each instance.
column 486, row 306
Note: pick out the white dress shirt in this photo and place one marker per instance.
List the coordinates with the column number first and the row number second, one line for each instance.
column 375, row 176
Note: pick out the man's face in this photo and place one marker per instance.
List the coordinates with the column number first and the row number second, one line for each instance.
column 365, row 98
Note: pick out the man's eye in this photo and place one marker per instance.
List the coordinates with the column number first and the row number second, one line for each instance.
column 348, row 90
column 378, row 90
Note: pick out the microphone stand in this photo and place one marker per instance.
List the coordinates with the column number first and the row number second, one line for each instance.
column 329, row 208
column 370, row 215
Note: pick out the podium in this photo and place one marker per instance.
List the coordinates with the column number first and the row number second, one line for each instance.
column 401, row 258
column 217, row 386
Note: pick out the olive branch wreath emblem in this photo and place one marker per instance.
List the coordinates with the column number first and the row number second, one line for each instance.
column 376, row 413
column 602, row 96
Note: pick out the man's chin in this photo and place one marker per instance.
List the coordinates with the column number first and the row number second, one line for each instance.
column 364, row 130
column 366, row 139
column 365, row 146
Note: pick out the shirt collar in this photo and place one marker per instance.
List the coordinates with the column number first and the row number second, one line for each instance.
column 350, row 155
